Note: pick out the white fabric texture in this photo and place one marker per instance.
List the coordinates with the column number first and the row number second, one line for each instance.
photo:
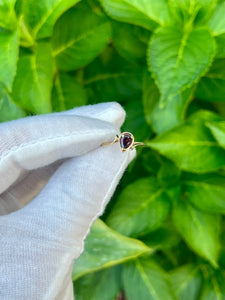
column 56, row 179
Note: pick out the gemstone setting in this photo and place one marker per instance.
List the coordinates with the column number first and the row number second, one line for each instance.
column 126, row 141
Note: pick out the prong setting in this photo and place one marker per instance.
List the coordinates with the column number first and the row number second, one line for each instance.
column 126, row 141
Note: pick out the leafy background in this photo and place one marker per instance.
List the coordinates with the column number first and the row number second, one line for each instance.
column 162, row 234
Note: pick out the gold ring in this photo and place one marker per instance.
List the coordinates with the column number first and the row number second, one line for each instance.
column 126, row 141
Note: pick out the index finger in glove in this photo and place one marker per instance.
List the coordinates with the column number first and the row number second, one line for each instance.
column 74, row 197
column 38, row 141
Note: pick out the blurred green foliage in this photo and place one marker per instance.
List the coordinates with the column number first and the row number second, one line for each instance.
column 162, row 235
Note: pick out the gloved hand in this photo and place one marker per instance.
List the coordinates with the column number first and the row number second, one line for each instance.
column 56, row 161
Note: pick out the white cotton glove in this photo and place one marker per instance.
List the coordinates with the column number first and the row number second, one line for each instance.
column 56, row 161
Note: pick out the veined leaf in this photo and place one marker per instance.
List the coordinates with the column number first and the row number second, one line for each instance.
column 211, row 87
column 110, row 77
column 218, row 131
column 199, row 229
column 168, row 174
column 220, row 46
column 186, row 282
column 150, row 97
column 214, row 286
column 9, row 49
column 207, row 194
column 101, row 285
column 67, row 93
column 171, row 114
column 217, row 22
column 75, row 45
column 142, row 200
column 151, row 161
column 130, row 41
column 163, row 238
column 104, row 248
column 178, row 58
column 40, row 16
column 32, row 84
column 135, row 120
column 144, row 279
column 8, row 109
column 7, row 15
column 147, row 14
column 191, row 145
column 195, row 12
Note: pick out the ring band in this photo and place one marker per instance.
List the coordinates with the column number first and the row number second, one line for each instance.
column 126, row 141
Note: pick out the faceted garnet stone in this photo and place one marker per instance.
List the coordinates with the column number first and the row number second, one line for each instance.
column 126, row 140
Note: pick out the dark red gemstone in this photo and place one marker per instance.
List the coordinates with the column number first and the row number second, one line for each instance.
column 126, row 140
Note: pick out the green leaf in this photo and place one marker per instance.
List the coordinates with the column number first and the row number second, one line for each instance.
column 220, row 46
column 101, row 285
column 151, row 160
column 75, row 45
column 169, row 174
column 104, row 248
column 147, row 14
column 188, row 12
column 220, row 107
column 142, row 200
column 163, row 238
column 171, row 114
column 7, row 14
column 217, row 22
column 214, row 287
column 150, row 97
column 39, row 17
column 200, row 230
column 8, row 109
column 179, row 58
column 222, row 252
column 130, row 41
column 33, row 81
column 211, row 87
column 218, row 131
column 144, row 279
column 186, row 282
column 110, row 77
column 135, row 120
column 191, row 145
column 67, row 93
column 208, row 194
column 9, row 50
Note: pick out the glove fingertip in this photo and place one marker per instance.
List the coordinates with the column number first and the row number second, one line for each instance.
column 111, row 112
